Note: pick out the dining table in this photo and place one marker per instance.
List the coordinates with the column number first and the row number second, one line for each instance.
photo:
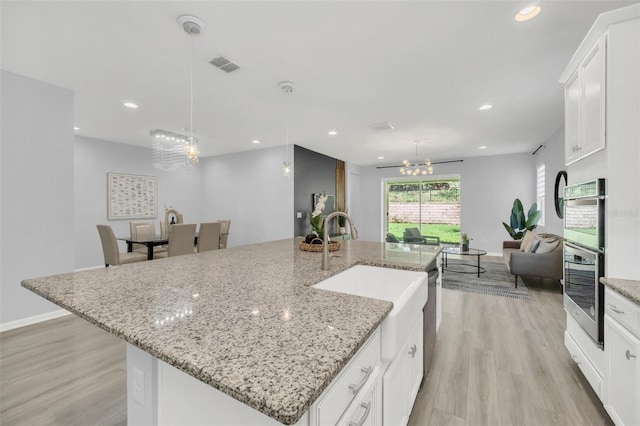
column 150, row 244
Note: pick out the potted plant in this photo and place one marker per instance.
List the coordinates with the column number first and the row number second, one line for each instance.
column 342, row 221
column 519, row 223
column 464, row 242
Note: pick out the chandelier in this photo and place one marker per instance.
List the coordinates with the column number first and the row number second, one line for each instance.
column 416, row 168
column 172, row 151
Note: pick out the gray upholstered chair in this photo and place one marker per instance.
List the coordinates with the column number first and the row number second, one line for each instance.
column 180, row 240
column 209, row 236
column 413, row 235
column 224, row 232
column 112, row 255
column 144, row 231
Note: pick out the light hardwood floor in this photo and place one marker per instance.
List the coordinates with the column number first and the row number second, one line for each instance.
column 502, row 361
column 62, row 372
column 498, row 361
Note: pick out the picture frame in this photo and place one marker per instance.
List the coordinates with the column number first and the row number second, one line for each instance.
column 131, row 196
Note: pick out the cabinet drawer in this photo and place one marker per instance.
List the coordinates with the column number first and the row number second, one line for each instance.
column 359, row 372
column 622, row 310
column 590, row 373
column 366, row 409
column 593, row 352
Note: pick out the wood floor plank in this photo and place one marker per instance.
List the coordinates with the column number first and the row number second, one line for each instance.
column 511, row 353
column 62, row 372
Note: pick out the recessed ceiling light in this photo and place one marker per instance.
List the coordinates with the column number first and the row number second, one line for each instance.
column 485, row 107
column 332, row 133
column 130, row 105
column 255, row 141
column 482, row 147
column 380, row 158
column 76, row 128
column 528, row 13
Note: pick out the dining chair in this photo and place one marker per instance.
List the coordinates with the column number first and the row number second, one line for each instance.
column 224, row 232
column 142, row 231
column 180, row 240
column 209, row 236
column 112, row 255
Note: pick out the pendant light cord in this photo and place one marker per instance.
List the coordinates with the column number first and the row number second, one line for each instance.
column 191, row 88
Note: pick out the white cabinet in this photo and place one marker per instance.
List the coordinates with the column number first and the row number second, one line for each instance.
column 622, row 367
column 402, row 379
column 585, row 353
column 585, row 105
column 367, row 409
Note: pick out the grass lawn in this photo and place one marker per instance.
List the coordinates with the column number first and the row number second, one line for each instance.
column 447, row 233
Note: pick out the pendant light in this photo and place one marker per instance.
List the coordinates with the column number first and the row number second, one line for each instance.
column 287, row 165
column 172, row 151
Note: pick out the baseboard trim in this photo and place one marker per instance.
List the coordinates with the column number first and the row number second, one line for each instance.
column 33, row 320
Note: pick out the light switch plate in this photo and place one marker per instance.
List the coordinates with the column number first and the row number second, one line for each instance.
column 138, row 386
column 299, row 215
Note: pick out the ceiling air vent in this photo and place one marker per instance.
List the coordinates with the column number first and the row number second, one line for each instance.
column 381, row 126
column 224, row 64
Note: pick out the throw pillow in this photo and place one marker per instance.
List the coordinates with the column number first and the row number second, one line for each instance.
column 527, row 241
column 547, row 246
column 535, row 246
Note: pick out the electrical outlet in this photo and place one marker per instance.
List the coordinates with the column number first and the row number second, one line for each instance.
column 138, row 386
column 299, row 215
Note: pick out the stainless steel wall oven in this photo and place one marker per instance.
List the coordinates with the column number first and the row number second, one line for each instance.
column 584, row 255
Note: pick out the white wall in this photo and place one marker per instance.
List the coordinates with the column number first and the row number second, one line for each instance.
column 181, row 189
column 37, row 191
column 250, row 189
column 489, row 186
column 552, row 156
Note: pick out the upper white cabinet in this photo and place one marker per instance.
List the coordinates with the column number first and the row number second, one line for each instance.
column 585, row 105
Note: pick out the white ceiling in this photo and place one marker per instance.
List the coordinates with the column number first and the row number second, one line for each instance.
column 425, row 67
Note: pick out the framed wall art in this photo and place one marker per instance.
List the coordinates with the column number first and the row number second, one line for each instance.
column 131, row 196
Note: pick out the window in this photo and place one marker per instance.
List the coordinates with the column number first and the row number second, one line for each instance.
column 540, row 183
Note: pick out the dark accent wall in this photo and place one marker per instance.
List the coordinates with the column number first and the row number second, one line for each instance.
column 313, row 173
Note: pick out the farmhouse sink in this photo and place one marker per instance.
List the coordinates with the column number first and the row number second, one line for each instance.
column 406, row 289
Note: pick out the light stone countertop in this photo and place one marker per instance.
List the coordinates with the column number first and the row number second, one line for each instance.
column 243, row 320
column 628, row 288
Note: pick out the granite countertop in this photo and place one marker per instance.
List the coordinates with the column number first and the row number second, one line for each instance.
column 628, row 288
column 243, row 320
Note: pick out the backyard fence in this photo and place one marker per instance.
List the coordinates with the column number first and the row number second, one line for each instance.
column 446, row 213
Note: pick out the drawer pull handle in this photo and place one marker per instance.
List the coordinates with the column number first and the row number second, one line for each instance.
column 628, row 355
column 616, row 310
column 367, row 408
column 367, row 372
column 413, row 350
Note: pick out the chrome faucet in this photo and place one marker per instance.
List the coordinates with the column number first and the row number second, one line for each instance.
column 325, row 240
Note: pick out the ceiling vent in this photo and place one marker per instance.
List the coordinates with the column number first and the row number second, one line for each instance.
column 381, row 126
column 224, row 64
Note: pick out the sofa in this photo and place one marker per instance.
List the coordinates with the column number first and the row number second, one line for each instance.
column 536, row 255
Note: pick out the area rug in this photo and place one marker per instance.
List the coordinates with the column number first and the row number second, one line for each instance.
column 496, row 281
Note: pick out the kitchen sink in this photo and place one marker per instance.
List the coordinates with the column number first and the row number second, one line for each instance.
column 406, row 289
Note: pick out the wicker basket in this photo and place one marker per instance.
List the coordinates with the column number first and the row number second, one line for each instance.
column 333, row 246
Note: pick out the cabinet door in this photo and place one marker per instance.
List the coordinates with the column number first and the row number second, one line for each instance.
column 396, row 391
column 592, row 137
column 622, row 374
column 572, row 101
column 415, row 353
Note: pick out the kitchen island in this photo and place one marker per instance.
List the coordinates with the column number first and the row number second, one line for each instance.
column 245, row 320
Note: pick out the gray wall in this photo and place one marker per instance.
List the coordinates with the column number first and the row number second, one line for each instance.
column 552, row 156
column 313, row 173
column 37, row 190
column 250, row 189
column 488, row 187
column 181, row 189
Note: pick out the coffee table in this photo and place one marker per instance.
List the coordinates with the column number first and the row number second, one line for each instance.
column 461, row 267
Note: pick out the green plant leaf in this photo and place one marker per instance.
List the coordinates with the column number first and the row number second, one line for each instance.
column 532, row 222
column 509, row 229
column 533, row 209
